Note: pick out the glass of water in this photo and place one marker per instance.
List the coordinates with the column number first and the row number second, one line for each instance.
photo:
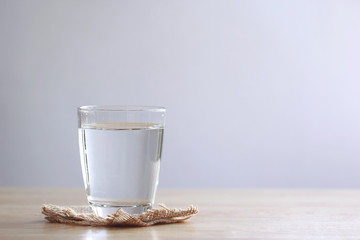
column 120, row 150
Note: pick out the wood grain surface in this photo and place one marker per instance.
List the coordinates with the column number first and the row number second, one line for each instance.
column 239, row 214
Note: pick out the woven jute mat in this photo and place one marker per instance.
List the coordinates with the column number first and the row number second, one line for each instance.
column 83, row 215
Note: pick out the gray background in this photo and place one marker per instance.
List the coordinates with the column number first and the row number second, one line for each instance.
column 259, row 93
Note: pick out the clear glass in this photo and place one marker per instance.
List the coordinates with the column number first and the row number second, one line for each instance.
column 120, row 150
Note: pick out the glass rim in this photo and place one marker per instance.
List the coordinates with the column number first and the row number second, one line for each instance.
column 121, row 108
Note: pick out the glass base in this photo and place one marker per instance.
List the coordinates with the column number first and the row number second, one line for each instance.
column 103, row 210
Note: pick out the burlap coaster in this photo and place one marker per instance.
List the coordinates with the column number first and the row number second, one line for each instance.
column 82, row 215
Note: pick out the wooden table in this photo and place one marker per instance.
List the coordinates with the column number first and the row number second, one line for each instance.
column 241, row 214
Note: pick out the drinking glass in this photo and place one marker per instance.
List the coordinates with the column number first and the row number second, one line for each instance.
column 120, row 151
